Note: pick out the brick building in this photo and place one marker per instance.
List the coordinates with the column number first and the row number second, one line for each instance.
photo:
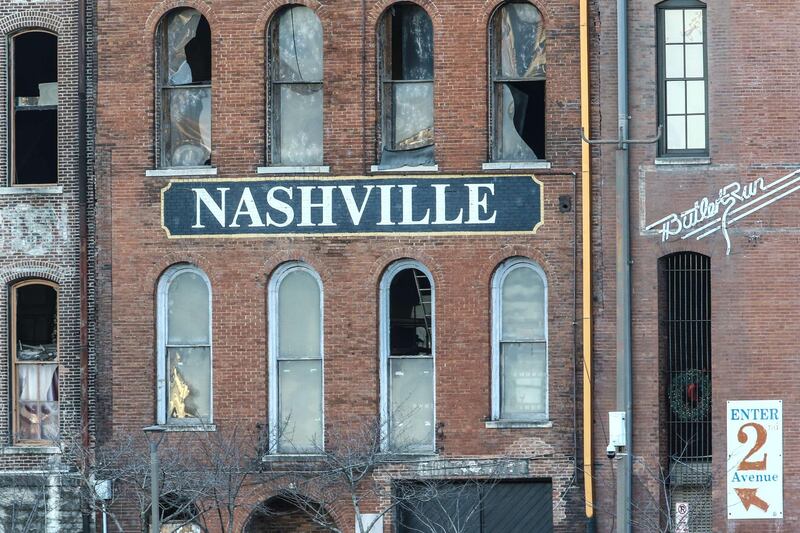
column 45, row 241
column 713, row 237
column 328, row 209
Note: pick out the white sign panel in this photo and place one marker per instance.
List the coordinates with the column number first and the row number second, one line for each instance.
column 681, row 517
column 755, row 459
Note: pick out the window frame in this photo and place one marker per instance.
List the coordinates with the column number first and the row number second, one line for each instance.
column 14, row 341
column 386, row 82
column 275, row 281
column 494, row 81
column 162, row 313
column 162, row 88
column 385, row 353
column 661, row 88
column 11, row 109
column 272, row 111
column 498, row 281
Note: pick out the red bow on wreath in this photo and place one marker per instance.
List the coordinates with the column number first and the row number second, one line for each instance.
column 693, row 392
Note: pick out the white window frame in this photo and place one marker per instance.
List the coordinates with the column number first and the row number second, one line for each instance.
column 274, row 327
column 498, row 279
column 161, row 344
column 385, row 349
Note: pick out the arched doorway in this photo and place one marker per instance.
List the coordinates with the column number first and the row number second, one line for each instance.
column 281, row 515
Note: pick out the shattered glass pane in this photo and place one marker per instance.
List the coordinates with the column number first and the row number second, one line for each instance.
column 522, row 41
column 524, row 386
column 411, row 403
column 520, row 114
column 299, row 140
column 188, row 48
column 187, row 127
column 410, row 313
column 299, row 316
column 412, row 44
column 300, row 406
column 523, row 305
column 412, row 106
column 188, row 310
column 189, row 390
column 693, row 31
column 37, row 386
column 299, row 45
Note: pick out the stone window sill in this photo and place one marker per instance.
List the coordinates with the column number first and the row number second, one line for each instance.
column 31, row 449
column 31, row 189
column 670, row 161
column 180, row 171
column 291, row 457
column 305, row 169
column 185, row 428
column 403, row 170
column 518, row 424
column 516, row 165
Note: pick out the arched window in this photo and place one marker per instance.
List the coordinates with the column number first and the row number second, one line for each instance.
column 295, row 87
column 407, row 357
column 184, row 89
column 295, row 360
column 34, row 345
column 519, row 342
column 184, row 347
column 517, row 68
column 34, row 108
column 405, row 60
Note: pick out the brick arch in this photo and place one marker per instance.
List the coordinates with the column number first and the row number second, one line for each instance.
column 33, row 269
column 31, row 18
column 157, row 13
column 272, row 6
column 157, row 269
column 295, row 254
column 429, row 6
column 383, row 262
column 489, row 7
column 493, row 262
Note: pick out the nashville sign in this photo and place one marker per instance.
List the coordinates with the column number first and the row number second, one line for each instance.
column 346, row 206
column 733, row 202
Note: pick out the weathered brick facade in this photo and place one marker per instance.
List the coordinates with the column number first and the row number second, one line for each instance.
column 133, row 249
column 753, row 298
column 39, row 240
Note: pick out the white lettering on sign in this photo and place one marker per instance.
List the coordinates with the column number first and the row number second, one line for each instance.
column 755, row 459
column 733, row 202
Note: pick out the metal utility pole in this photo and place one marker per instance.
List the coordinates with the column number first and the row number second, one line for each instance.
column 154, row 436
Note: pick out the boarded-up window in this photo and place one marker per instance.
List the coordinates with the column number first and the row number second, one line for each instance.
column 34, row 108
column 184, row 89
column 35, row 347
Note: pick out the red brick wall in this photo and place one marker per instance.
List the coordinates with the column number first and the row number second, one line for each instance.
column 134, row 247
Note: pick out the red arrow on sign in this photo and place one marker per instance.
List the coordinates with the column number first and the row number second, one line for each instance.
column 748, row 497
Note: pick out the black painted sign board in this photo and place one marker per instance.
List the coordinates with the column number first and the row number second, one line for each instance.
column 265, row 207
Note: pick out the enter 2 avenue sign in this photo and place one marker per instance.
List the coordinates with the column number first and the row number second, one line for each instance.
column 354, row 205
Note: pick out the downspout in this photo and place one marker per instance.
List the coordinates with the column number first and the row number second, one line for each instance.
column 623, row 279
column 586, row 268
column 83, row 230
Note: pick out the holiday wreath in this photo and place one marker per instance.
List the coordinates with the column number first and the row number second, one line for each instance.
column 690, row 395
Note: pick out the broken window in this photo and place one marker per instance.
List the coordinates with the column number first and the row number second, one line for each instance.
column 682, row 78
column 406, row 71
column 519, row 352
column 185, row 89
column 34, row 328
column 408, row 356
column 185, row 346
column 518, row 68
column 296, row 359
column 296, row 87
column 34, row 108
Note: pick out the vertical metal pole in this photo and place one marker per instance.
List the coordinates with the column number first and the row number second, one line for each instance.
column 155, row 526
column 624, row 358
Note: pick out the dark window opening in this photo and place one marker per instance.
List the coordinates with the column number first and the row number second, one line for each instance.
column 407, row 86
column 35, row 108
column 518, row 71
column 475, row 506
column 185, row 89
column 35, row 347
column 410, row 313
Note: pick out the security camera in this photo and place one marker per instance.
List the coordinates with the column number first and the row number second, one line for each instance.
column 611, row 451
